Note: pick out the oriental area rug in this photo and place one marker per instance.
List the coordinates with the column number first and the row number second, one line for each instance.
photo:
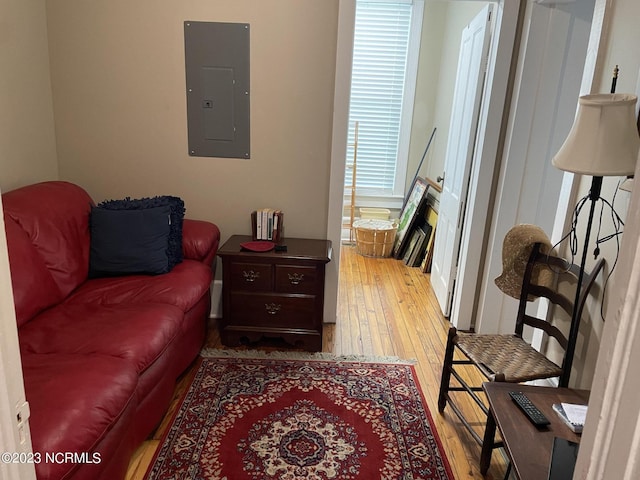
column 263, row 417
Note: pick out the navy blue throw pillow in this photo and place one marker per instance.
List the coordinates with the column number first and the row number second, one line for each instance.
column 118, row 228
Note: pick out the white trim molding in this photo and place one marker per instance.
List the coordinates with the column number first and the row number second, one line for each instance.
column 344, row 55
column 14, row 409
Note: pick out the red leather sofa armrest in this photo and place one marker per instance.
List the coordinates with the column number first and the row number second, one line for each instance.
column 200, row 240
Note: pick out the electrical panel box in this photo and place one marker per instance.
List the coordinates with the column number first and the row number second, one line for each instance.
column 217, row 81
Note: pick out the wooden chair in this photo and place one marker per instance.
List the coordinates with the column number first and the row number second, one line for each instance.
column 509, row 358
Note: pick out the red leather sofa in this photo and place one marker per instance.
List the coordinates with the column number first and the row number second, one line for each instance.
column 100, row 356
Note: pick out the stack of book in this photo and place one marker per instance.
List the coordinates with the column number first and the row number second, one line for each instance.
column 267, row 224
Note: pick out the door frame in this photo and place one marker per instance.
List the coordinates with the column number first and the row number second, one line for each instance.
column 15, row 436
column 490, row 128
column 342, row 93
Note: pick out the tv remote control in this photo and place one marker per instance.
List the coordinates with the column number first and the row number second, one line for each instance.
column 531, row 411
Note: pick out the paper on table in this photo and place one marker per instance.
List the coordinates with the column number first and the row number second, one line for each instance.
column 577, row 414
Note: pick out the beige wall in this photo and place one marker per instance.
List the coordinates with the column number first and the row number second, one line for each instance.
column 427, row 94
column 621, row 47
column 117, row 70
column 27, row 138
column 439, row 50
column 426, row 98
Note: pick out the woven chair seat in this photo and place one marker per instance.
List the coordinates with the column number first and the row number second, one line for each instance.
column 506, row 354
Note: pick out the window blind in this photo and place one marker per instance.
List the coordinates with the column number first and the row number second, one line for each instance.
column 381, row 39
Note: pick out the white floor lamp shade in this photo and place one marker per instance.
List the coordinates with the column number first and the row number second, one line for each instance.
column 604, row 138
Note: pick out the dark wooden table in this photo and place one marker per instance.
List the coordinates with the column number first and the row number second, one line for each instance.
column 274, row 294
column 528, row 447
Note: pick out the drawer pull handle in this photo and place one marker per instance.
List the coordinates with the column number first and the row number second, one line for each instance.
column 296, row 278
column 272, row 308
column 250, row 276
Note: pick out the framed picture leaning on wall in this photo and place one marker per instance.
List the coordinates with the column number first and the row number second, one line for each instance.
column 431, row 220
column 415, row 201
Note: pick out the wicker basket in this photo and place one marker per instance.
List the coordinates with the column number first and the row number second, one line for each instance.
column 374, row 238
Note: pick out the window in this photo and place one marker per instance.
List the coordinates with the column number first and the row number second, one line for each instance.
column 380, row 98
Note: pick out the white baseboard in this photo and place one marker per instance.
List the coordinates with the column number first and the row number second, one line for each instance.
column 216, row 299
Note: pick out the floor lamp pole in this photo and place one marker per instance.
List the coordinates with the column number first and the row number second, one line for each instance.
column 594, row 195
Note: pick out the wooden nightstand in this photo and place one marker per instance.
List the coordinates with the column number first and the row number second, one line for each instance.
column 273, row 294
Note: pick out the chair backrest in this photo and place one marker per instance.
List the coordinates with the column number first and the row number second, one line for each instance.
column 564, row 271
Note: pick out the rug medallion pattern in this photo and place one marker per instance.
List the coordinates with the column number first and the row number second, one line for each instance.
column 268, row 419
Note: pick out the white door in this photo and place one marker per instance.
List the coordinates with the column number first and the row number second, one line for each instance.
column 472, row 63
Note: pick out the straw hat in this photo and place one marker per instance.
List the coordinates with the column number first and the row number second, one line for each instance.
column 516, row 249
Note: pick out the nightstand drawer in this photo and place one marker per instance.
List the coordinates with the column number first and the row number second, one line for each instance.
column 296, row 279
column 252, row 277
column 274, row 311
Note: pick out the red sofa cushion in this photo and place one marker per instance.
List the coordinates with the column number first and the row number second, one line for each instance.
column 138, row 333
column 75, row 401
column 182, row 287
column 60, row 234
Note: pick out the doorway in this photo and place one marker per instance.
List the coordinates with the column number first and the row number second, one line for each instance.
column 432, row 106
column 395, row 133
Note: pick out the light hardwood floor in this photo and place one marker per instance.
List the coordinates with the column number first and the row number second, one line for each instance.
column 385, row 308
